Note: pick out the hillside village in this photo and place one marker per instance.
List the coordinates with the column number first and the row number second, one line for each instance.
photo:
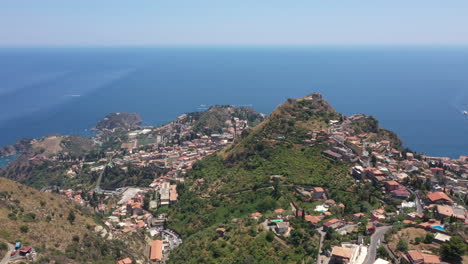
column 432, row 192
column 173, row 148
column 415, row 212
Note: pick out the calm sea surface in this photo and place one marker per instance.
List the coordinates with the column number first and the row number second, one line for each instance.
column 418, row 92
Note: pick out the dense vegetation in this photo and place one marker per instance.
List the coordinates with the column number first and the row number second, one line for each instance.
column 116, row 177
column 119, row 121
column 212, row 120
column 245, row 241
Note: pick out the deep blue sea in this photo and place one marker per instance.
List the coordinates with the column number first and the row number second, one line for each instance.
column 418, row 92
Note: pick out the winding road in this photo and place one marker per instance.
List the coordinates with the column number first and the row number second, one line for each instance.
column 322, row 237
column 98, row 189
column 376, row 238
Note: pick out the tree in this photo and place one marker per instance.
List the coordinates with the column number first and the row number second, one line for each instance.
column 276, row 189
column 382, row 252
column 429, row 238
column 146, row 201
column 3, row 246
column 296, row 237
column 266, row 204
column 71, row 217
column 417, row 240
column 453, row 250
column 402, row 245
column 373, row 160
column 270, row 236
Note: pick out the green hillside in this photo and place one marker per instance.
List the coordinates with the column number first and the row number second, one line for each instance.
column 213, row 119
column 238, row 181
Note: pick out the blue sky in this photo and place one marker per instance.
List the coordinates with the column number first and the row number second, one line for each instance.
column 230, row 22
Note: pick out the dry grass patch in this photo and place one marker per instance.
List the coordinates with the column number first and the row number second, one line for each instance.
column 409, row 235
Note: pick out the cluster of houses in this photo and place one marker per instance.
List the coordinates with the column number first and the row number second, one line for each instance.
column 378, row 162
column 179, row 155
column 155, row 253
column 130, row 215
column 383, row 165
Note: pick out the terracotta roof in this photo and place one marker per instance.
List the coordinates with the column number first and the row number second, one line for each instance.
column 430, row 259
column 256, row 214
column 436, row 196
column 156, row 250
column 313, row 219
column 318, row 189
column 445, row 210
column 125, row 261
column 392, row 183
column 173, row 193
column 279, row 210
column 331, row 222
column 342, row 252
column 401, row 191
column 415, row 255
column 379, row 211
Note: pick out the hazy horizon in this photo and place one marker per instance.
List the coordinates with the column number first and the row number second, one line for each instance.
column 203, row 22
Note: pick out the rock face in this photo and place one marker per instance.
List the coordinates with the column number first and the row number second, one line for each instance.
column 123, row 121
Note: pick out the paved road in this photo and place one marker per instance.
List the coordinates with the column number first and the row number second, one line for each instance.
column 98, row 189
column 376, row 238
column 320, row 258
column 419, row 208
column 7, row 255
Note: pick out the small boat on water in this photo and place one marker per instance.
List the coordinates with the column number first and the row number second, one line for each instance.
column 465, row 112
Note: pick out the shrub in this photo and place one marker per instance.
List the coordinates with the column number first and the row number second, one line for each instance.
column 12, row 216
column 417, row 240
column 24, row 229
column 71, row 217
column 402, row 245
column 3, row 246
column 270, row 236
column 429, row 238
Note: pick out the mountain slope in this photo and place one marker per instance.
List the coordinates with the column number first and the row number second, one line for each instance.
column 57, row 228
column 239, row 180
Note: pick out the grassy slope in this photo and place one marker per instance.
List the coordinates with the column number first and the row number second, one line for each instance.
column 49, row 231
